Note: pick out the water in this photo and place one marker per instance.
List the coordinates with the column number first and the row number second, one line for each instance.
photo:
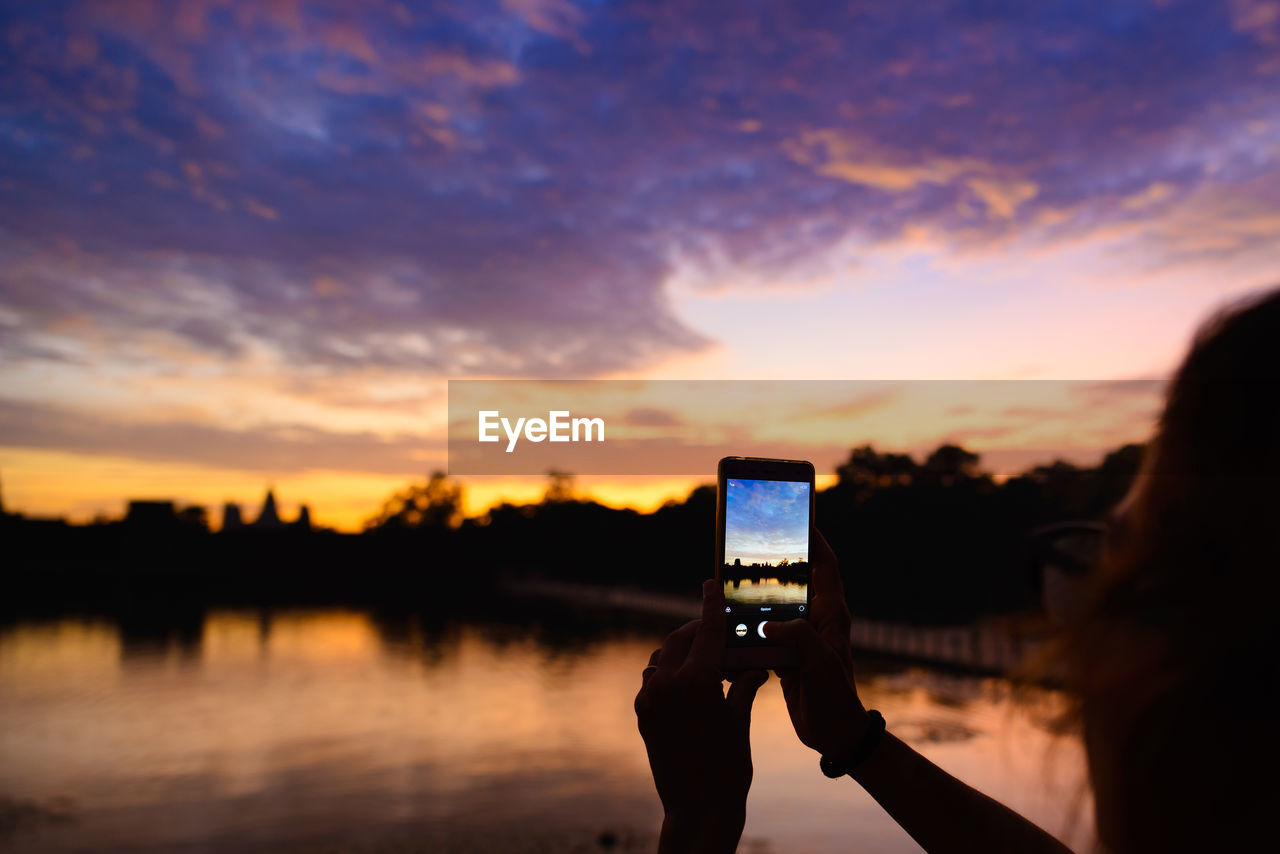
column 765, row 591
column 335, row 730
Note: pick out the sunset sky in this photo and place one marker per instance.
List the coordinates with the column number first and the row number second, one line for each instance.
column 247, row 243
column 766, row 521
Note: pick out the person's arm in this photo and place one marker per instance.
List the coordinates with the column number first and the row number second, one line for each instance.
column 704, row 831
column 942, row 814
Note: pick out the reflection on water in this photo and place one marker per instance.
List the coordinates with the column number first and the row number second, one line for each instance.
column 764, row 591
column 341, row 730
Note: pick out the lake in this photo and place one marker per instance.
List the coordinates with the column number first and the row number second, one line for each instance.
column 764, row 591
column 348, row 730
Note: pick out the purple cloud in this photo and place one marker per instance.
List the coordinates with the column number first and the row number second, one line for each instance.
column 503, row 188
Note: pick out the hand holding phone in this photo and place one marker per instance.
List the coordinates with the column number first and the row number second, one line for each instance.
column 697, row 735
column 821, row 694
column 764, row 528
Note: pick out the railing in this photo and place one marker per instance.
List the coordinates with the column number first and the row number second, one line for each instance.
column 985, row 646
column 988, row 646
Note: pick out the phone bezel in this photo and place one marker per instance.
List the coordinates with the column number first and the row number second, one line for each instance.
column 762, row 468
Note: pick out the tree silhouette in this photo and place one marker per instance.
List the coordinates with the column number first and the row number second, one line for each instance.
column 560, row 487
column 952, row 463
column 868, row 467
column 434, row 504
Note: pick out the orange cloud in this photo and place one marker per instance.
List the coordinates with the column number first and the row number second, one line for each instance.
column 558, row 18
column 435, row 112
column 162, row 180
column 1153, row 194
column 840, row 155
column 1002, row 197
column 346, row 37
column 257, row 208
column 82, row 48
column 836, row 155
column 328, row 286
column 485, row 73
column 1259, row 18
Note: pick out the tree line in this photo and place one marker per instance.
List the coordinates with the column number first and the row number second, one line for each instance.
column 934, row 540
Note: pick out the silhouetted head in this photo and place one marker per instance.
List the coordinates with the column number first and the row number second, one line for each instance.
column 1175, row 661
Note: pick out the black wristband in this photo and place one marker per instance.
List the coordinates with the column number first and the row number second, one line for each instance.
column 839, row 767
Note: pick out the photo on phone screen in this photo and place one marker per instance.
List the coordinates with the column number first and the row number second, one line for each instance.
column 766, row 543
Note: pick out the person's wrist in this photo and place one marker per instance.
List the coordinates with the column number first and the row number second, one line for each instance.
column 845, row 762
column 712, row 828
column 845, row 739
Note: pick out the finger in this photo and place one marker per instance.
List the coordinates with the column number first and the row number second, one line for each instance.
column 675, row 649
column 794, row 634
column 650, row 668
column 708, row 643
column 832, row 622
column 742, row 693
column 829, row 609
column 826, row 569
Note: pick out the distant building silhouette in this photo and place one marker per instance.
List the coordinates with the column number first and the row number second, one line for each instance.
column 195, row 516
column 151, row 514
column 269, row 517
column 5, row 516
column 231, row 518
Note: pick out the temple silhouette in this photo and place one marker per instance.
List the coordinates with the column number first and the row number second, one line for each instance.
column 268, row 518
column 162, row 514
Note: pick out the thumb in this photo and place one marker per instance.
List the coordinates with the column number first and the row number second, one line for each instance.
column 742, row 693
column 798, row 635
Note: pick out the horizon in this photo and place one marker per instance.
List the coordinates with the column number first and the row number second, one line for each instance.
column 535, row 493
column 250, row 243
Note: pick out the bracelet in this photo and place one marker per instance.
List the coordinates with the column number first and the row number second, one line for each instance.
column 834, row 768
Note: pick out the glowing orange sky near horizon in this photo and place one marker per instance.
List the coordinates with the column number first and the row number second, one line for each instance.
column 81, row 485
column 1010, row 339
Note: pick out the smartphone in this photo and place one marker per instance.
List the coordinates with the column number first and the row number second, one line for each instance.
column 764, row 532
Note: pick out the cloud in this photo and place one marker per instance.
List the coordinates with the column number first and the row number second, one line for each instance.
column 1260, row 18
column 649, row 416
column 273, row 449
column 856, row 407
column 1002, row 198
column 559, row 18
column 832, row 154
column 507, row 188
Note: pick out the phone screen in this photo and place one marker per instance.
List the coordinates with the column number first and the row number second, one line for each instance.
column 766, row 555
